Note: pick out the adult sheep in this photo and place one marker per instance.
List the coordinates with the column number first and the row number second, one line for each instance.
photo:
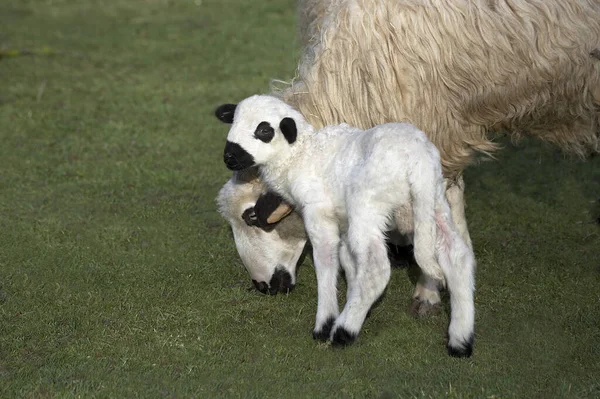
column 456, row 69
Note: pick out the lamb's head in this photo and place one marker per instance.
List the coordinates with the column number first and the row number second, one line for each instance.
column 263, row 130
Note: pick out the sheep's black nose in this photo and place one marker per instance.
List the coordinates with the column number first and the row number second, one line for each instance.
column 261, row 286
column 281, row 281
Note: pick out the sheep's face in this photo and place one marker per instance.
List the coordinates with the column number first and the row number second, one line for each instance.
column 263, row 129
column 270, row 250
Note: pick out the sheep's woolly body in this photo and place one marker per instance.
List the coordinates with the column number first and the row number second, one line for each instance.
column 456, row 69
column 351, row 187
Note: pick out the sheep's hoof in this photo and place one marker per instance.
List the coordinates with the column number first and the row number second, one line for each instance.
column 342, row 337
column 419, row 308
column 324, row 332
column 464, row 349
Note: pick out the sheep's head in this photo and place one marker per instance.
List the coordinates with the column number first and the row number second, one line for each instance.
column 263, row 129
column 269, row 239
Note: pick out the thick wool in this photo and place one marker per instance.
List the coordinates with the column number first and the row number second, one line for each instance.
column 456, row 69
column 351, row 188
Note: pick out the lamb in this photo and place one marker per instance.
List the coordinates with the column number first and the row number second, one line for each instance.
column 521, row 67
column 351, row 187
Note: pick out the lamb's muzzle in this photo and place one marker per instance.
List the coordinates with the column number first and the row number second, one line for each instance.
column 236, row 158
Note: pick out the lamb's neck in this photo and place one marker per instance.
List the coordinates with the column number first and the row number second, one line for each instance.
column 276, row 174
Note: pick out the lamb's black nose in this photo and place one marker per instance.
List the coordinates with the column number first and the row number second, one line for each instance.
column 236, row 158
column 229, row 160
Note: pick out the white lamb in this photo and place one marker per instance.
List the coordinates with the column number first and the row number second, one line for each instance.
column 351, row 188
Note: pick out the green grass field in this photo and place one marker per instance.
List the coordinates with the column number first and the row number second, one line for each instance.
column 119, row 279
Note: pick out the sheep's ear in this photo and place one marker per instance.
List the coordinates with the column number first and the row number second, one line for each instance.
column 225, row 112
column 288, row 128
column 280, row 212
column 268, row 210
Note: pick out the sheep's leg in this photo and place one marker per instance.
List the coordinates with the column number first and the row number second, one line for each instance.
column 367, row 266
column 426, row 298
column 455, row 194
column 324, row 238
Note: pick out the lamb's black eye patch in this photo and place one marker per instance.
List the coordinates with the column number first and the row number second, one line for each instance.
column 264, row 132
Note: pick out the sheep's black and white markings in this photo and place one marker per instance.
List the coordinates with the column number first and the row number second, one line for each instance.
column 236, row 158
column 281, row 281
column 225, row 113
column 264, row 207
column 261, row 286
column 258, row 215
column 264, row 132
column 263, row 254
column 250, row 217
column 329, row 176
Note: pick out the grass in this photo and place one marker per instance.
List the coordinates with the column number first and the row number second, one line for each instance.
column 119, row 279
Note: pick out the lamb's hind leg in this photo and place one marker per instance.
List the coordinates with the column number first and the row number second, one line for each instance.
column 442, row 254
column 364, row 258
column 426, row 298
column 458, row 264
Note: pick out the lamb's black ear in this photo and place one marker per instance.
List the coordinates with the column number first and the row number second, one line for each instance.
column 288, row 128
column 225, row 113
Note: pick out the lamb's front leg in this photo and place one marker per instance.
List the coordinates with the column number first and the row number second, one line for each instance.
column 365, row 261
column 324, row 237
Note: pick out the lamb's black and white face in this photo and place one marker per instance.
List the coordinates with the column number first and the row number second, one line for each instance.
column 263, row 127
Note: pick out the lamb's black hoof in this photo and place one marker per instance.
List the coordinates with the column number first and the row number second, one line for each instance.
column 342, row 337
column 325, row 331
column 463, row 350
